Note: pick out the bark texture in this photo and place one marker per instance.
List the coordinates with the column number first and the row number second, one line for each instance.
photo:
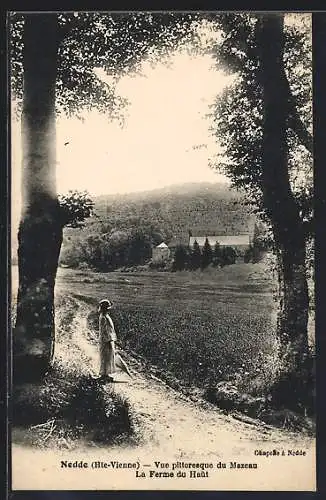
column 40, row 231
column 279, row 201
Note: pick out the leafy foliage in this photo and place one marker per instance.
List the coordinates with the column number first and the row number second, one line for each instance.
column 217, row 255
column 159, row 215
column 106, row 252
column 207, row 255
column 140, row 248
column 115, row 42
column 205, row 208
column 181, row 256
column 238, row 112
column 195, row 257
column 76, row 206
column 228, row 256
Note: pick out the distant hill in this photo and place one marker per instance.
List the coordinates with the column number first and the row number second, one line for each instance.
column 202, row 208
column 173, row 211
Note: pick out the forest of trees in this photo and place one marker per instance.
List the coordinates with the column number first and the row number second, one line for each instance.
column 124, row 229
column 194, row 258
column 109, row 251
column 129, row 249
column 205, row 208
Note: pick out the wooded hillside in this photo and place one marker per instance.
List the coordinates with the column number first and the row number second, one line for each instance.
column 203, row 208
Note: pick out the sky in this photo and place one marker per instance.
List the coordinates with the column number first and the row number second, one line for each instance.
column 166, row 118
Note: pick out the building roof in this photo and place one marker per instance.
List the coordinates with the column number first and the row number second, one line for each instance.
column 232, row 240
column 179, row 241
column 162, row 245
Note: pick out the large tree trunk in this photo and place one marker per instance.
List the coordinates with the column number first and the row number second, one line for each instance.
column 279, row 201
column 40, row 231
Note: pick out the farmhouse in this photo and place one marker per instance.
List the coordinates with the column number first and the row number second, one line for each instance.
column 239, row 242
column 160, row 253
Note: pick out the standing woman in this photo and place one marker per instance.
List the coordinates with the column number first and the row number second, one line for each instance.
column 108, row 338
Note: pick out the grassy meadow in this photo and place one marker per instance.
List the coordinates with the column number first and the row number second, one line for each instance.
column 200, row 327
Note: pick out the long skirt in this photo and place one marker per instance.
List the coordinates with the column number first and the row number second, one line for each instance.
column 107, row 356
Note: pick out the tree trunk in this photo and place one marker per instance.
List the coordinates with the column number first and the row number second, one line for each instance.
column 278, row 198
column 40, row 230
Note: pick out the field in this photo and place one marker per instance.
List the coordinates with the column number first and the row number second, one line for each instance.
column 189, row 330
column 199, row 327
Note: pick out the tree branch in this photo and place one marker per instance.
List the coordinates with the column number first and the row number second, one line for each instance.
column 294, row 120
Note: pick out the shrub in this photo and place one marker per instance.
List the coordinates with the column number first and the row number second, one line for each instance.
column 207, row 255
column 301, row 395
column 180, row 260
column 76, row 206
column 90, row 408
column 159, row 266
column 217, row 255
column 248, row 255
column 80, row 407
column 195, row 257
column 228, row 256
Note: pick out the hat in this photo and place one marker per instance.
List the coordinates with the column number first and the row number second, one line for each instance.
column 105, row 304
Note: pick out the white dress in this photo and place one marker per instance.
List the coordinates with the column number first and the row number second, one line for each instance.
column 108, row 338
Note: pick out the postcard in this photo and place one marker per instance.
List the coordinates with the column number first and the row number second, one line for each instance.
column 162, row 251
